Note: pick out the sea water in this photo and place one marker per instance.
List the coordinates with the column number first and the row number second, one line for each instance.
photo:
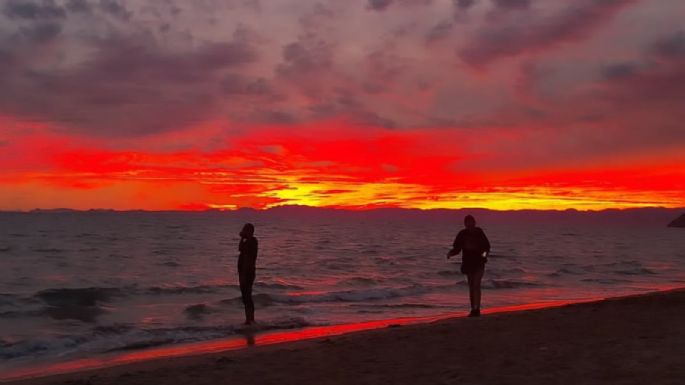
column 76, row 284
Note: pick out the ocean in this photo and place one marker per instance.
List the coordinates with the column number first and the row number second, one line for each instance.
column 79, row 284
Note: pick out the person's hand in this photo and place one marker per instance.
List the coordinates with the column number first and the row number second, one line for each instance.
column 450, row 254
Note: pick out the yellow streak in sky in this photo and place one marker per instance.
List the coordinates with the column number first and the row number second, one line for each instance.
column 357, row 195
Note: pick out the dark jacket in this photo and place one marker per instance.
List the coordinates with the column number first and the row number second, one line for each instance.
column 247, row 260
column 472, row 243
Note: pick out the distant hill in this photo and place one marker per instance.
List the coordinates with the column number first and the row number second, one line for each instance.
column 678, row 222
column 652, row 216
column 58, row 210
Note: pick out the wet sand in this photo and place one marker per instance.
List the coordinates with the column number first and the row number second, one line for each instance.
column 630, row 340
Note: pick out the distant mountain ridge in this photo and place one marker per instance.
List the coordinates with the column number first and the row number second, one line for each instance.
column 654, row 216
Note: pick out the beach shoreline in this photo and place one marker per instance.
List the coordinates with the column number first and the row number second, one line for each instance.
column 378, row 340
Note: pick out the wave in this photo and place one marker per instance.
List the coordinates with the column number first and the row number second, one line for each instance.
column 89, row 296
column 357, row 281
column 635, row 271
column 87, row 314
column 92, row 296
column 606, row 281
column 498, row 272
column 569, row 270
column 14, row 306
column 361, row 295
column 626, row 268
column 200, row 289
column 350, row 295
column 135, row 339
column 22, row 314
column 77, row 304
column 169, row 264
column 86, row 235
column 503, row 256
column 280, row 286
column 261, row 300
column 121, row 337
column 84, row 304
column 508, row 284
column 198, row 311
column 404, row 306
column 48, row 250
column 8, row 300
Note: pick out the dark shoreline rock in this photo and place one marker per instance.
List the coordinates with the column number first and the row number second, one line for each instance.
column 678, row 222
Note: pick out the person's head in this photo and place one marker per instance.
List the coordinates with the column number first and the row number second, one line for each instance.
column 469, row 222
column 247, row 231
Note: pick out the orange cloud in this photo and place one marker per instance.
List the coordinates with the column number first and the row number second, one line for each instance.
column 329, row 164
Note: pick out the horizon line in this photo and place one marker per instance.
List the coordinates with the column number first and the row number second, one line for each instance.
column 329, row 208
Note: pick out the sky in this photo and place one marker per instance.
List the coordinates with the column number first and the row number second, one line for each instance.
column 500, row 104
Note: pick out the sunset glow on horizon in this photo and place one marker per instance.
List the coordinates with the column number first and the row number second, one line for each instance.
column 436, row 104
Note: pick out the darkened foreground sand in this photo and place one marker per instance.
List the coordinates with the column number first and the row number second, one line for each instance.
column 631, row 340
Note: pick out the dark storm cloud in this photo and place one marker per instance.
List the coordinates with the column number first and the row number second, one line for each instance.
column 305, row 56
column 141, row 67
column 512, row 4
column 637, row 105
column 440, row 31
column 129, row 86
column 619, row 70
column 379, row 5
column 233, row 84
column 661, row 80
column 115, row 8
column 276, row 117
column 345, row 103
column 41, row 32
column 661, row 74
column 309, row 71
column 49, row 9
column 507, row 39
column 670, row 46
column 25, row 9
column 127, row 60
column 78, row 6
column 383, row 69
column 463, row 4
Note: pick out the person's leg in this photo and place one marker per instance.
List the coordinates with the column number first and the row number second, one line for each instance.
column 246, row 295
column 243, row 296
column 470, row 280
column 250, row 307
column 476, row 279
column 249, row 303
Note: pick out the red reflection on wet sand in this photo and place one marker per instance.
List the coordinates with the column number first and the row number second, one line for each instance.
column 248, row 339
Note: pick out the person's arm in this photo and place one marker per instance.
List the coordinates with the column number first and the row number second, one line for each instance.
column 254, row 249
column 456, row 246
column 486, row 242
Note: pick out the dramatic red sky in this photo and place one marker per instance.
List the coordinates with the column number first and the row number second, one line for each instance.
column 504, row 104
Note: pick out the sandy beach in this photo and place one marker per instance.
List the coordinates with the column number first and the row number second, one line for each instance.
column 629, row 340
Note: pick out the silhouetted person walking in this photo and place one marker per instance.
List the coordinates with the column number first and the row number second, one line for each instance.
column 247, row 266
column 474, row 247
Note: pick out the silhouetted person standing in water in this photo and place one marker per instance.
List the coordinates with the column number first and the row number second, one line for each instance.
column 474, row 247
column 247, row 266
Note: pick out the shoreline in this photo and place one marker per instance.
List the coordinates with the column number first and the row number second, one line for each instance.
column 191, row 355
